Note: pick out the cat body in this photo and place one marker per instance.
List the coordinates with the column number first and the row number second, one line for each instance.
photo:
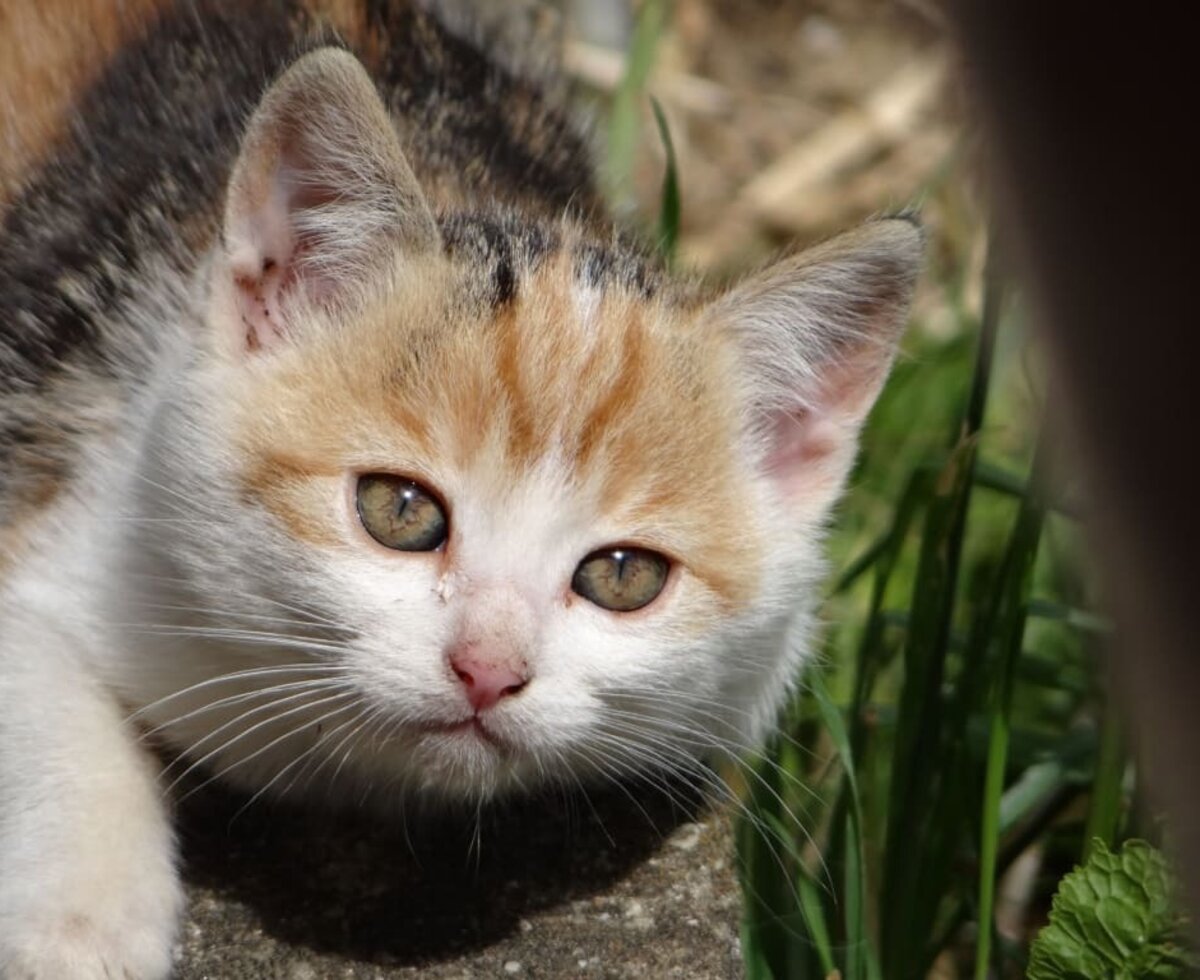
column 346, row 450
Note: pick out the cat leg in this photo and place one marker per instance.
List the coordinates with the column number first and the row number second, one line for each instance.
column 88, row 887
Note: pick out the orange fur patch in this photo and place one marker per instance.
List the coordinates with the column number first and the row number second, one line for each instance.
column 50, row 51
column 284, row 483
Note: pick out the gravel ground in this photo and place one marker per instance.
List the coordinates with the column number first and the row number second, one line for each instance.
column 611, row 888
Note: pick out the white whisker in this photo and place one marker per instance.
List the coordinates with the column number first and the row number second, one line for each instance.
column 237, row 676
column 228, row 744
column 241, row 697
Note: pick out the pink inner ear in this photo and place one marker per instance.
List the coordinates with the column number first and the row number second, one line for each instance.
column 801, row 443
column 258, row 304
column 805, row 435
column 810, row 450
column 267, row 259
column 271, row 264
column 262, row 258
column 812, row 443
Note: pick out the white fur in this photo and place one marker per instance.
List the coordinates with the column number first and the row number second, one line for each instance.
column 88, row 887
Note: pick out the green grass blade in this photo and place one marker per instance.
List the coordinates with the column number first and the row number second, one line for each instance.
column 916, row 857
column 624, row 122
column 765, row 897
column 1005, row 619
column 989, row 323
column 857, row 942
column 867, row 661
column 888, row 544
column 925, row 804
column 846, row 846
column 771, row 870
column 990, row 839
column 1104, row 811
column 1080, row 619
column 814, row 920
column 992, row 477
column 669, row 213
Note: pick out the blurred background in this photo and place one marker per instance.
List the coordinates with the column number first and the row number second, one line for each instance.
column 952, row 792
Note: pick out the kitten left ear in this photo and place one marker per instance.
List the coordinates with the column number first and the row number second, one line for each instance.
column 816, row 334
column 321, row 192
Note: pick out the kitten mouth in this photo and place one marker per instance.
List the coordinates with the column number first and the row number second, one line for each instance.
column 473, row 728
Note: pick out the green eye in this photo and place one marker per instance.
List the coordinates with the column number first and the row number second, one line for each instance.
column 400, row 514
column 621, row 579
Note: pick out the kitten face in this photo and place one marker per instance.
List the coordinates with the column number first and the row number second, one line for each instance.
column 573, row 416
column 550, row 399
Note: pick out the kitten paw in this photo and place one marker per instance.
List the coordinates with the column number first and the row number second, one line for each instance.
column 78, row 946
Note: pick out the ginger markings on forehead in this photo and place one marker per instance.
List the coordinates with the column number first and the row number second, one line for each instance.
column 633, row 408
column 529, row 425
column 294, row 490
column 619, row 395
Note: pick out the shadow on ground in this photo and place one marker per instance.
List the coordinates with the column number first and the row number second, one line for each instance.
column 426, row 887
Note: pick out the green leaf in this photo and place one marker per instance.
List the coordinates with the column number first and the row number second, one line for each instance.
column 1114, row 917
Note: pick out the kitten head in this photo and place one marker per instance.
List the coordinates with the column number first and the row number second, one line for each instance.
column 506, row 502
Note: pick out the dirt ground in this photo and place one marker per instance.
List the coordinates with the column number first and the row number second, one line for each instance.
column 598, row 887
column 794, row 118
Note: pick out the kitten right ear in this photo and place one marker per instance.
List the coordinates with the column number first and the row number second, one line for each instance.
column 816, row 334
column 320, row 193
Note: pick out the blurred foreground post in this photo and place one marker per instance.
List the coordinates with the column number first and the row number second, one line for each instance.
column 1087, row 135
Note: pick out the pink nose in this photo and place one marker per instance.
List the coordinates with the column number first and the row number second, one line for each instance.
column 487, row 680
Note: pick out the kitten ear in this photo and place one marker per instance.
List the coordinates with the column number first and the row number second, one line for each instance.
column 817, row 333
column 320, row 193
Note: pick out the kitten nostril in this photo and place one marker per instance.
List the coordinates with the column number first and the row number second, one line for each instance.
column 486, row 682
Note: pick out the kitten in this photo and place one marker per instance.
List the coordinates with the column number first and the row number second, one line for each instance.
column 344, row 446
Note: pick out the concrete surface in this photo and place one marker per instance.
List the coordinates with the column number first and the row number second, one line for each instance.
column 558, row 887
